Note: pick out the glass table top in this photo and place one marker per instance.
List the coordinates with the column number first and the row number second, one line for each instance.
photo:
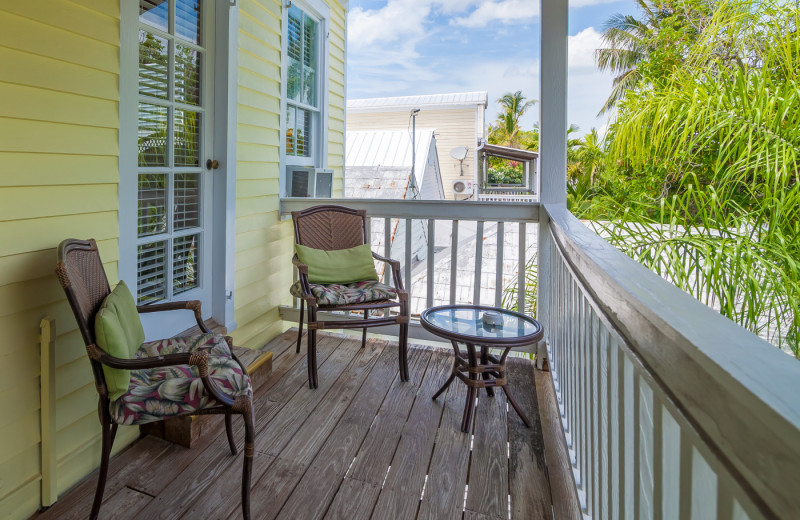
column 469, row 322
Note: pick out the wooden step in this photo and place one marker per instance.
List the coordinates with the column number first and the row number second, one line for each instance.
column 186, row 430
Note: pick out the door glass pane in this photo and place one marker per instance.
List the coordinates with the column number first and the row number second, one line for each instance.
column 187, row 201
column 152, row 135
column 185, row 267
column 187, row 75
column 188, row 20
column 155, row 13
column 295, row 51
column 309, row 61
column 170, row 182
column 153, row 65
column 152, row 218
column 187, row 138
column 151, row 272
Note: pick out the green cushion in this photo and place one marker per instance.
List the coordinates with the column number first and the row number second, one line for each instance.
column 341, row 266
column 119, row 333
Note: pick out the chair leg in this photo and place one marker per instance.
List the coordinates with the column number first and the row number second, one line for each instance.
column 403, row 347
column 109, row 432
column 312, row 358
column 249, row 452
column 229, row 431
column 300, row 326
column 364, row 333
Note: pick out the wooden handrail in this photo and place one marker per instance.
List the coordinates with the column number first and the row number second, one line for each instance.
column 734, row 390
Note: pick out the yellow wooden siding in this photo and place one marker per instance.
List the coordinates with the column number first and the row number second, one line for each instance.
column 455, row 127
column 59, row 150
column 264, row 243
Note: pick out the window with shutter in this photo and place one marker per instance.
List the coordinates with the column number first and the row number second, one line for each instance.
column 304, row 111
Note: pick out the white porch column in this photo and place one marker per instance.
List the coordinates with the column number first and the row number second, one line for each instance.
column 552, row 141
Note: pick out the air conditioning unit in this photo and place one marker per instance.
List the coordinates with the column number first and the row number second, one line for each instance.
column 461, row 187
column 303, row 181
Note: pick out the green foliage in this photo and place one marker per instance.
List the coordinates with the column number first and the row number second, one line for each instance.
column 506, row 175
column 700, row 179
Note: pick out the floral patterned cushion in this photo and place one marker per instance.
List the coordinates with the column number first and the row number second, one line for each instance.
column 157, row 393
column 337, row 294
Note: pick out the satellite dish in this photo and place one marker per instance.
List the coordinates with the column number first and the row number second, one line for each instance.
column 459, row 153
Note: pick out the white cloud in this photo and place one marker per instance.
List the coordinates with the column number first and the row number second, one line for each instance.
column 504, row 11
column 397, row 20
column 581, row 47
column 585, row 3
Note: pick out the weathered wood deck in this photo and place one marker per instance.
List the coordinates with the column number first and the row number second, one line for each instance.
column 363, row 445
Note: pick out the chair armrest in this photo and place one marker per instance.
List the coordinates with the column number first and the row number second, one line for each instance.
column 198, row 359
column 301, row 267
column 302, row 275
column 396, row 274
column 192, row 305
column 184, row 358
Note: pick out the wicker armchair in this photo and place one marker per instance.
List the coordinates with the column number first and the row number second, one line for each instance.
column 332, row 228
column 84, row 280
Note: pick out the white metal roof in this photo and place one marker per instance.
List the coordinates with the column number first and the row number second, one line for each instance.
column 388, row 148
column 453, row 100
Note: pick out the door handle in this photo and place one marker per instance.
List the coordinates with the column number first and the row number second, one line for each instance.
column 212, row 164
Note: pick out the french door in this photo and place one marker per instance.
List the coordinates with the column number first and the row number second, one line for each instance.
column 174, row 200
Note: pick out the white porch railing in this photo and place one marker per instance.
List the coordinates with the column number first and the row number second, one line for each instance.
column 669, row 410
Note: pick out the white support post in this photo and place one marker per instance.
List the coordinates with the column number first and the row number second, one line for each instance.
column 552, row 139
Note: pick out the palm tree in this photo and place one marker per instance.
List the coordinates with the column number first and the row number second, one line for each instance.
column 590, row 154
column 506, row 129
column 630, row 41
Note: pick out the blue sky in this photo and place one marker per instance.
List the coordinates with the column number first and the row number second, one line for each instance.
column 408, row 47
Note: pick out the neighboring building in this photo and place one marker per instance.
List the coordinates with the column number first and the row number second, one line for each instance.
column 106, row 117
column 378, row 166
column 459, row 120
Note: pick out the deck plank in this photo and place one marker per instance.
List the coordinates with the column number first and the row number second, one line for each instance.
column 376, row 453
column 528, row 485
column 124, row 504
column 287, row 423
column 188, row 487
column 296, row 456
column 136, row 459
column 324, row 476
column 307, row 440
column 412, row 459
column 447, row 477
column 353, row 501
column 562, row 486
column 488, row 473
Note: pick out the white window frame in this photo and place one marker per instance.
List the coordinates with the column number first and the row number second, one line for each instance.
column 321, row 12
column 222, row 230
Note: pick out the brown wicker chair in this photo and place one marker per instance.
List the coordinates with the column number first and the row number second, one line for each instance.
column 84, row 280
column 332, row 228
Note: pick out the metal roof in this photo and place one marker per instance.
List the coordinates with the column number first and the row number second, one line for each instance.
column 453, row 100
column 388, row 148
column 506, row 152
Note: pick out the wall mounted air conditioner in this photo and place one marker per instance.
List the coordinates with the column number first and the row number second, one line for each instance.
column 302, row 181
column 461, row 187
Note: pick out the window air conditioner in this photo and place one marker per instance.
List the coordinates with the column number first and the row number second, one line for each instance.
column 303, row 181
column 461, row 187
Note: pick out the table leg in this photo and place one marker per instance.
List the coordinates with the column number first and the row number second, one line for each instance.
column 486, row 375
column 472, row 392
column 516, row 407
column 452, row 373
